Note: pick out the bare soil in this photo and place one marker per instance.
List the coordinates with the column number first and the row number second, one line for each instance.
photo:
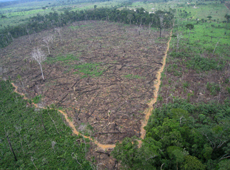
column 108, row 107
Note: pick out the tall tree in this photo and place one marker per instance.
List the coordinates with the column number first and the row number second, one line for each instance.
column 39, row 56
column 130, row 17
column 48, row 40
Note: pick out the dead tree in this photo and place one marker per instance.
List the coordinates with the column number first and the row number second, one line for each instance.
column 58, row 30
column 11, row 36
column 150, row 27
column 19, row 129
column 39, row 56
column 11, row 148
column 161, row 18
column 215, row 47
column 32, row 160
column 130, row 17
column 179, row 36
column 28, row 34
column 48, row 40
column 42, row 121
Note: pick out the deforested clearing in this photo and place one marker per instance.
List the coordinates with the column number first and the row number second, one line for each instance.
column 101, row 74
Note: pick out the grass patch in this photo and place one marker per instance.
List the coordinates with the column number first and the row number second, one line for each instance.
column 207, row 34
column 89, row 69
column 205, row 64
column 64, row 59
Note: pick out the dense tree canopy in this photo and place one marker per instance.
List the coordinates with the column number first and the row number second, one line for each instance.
column 53, row 19
column 32, row 138
column 181, row 136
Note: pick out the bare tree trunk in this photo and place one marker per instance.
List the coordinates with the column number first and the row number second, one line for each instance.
column 48, row 40
column 215, row 47
column 162, row 166
column 32, row 159
column 42, row 122
column 28, row 35
column 179, row 36
column 84, row 141
column 11, row 36
column 39, row 56
column 53, row 122
column 160, row 32
column 18, row 129
column 41, row 71
column 150, row 28
column 12, row 150
column 74, row 156
column 48, row 49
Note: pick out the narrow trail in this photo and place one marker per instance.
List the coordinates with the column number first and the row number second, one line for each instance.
column 147, row 111
column 157, row 84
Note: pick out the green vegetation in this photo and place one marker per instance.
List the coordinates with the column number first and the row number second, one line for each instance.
column 39, row 137
column 228, row 89
column 181, row 136
column 213, row 88
column 54, row 19
column 206, row 34
column 19, row 13
column 205, row 64
column 89, row 69
column 63, row 59
column 37, row 99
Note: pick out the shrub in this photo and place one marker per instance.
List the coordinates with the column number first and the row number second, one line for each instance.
column 204, row 64
column 213, row 88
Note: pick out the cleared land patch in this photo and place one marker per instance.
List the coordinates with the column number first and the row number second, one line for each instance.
column 102, row 74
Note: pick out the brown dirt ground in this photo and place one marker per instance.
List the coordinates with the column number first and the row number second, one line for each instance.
column 107, row 107
column 113, row 103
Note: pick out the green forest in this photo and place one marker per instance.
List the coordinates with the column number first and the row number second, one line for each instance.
column 53, row 19
column 33, row 138
column 181, row 136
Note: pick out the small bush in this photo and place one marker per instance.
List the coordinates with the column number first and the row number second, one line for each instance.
column 213, row 88
column 228, row 89
column 180, row 55
column 185, row 85
column 226, row 80
column 204, row 64
column 37, row 99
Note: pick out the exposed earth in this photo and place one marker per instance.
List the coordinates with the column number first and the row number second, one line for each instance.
column 100, row 73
